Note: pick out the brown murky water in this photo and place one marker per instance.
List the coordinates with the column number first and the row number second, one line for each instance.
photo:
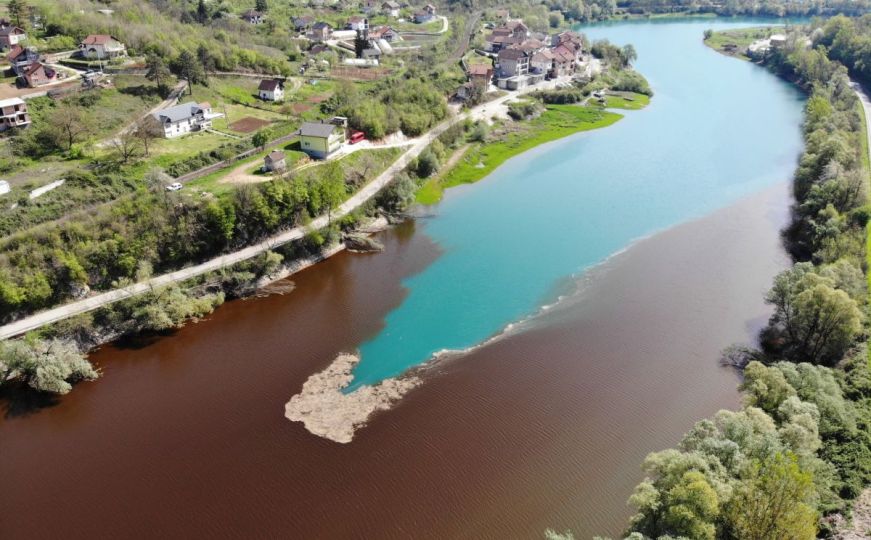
column 185, row 436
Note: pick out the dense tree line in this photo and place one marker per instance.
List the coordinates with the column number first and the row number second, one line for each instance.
column 775, row 8
column 802, row 442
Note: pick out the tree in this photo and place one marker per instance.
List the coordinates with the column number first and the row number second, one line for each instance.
column 157, row 72
column 202, row 12
column 18, row 11
column 126, row 144
column 691, row 508
column 332, row 188
column 261, row 138
column 427, row 163
column 147, row 130
column 188, row 67
column 47, row 366
column 628, row 54
column 774, row 502
column 205, row 58
column 261, row 5
column 555, row 19
column 813, row 321
column 69, row 125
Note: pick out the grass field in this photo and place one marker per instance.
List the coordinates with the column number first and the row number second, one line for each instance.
column 626, row 100
column 479, row 161
column 212, row 182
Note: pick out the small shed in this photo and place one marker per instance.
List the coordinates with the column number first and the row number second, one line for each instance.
column 275, row 161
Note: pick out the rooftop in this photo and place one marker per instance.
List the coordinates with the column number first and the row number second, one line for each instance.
column 98, row 39
column 316, row 129
column 180, row 112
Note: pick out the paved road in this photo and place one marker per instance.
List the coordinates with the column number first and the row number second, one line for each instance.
column 367, row 192
column 866, row 104
column 463, row 43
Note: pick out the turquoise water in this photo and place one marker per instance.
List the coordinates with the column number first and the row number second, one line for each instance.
column 717, row 129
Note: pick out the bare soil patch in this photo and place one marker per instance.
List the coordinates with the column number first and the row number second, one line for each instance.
column 358, row 74
column 320, row 98
column 299, row 108
column 248, row 124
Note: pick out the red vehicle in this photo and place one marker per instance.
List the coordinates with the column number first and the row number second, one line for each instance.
column 356, row 137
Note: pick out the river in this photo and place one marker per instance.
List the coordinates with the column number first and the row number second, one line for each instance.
column 661, row 233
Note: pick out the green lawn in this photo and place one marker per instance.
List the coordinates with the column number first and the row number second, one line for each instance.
column 626, row 100
column 556, row 122
column 212, row 182
column 166, row 151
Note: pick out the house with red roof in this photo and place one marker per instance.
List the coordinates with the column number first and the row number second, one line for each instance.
column 101, row 47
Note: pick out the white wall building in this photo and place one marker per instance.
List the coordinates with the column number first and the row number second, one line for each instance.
column 185, row 118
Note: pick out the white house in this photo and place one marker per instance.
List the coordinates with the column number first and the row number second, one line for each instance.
column 101, row 46
column 357, row 23
column 271, row 90
column 13, row 113
column 185, row 118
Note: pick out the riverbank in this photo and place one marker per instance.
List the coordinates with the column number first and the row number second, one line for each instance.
column 478, row 161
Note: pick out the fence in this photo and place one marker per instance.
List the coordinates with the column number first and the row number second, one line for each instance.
column 209, row 169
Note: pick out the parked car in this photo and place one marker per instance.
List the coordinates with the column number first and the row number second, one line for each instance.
column 175, row 186
column 356, row 137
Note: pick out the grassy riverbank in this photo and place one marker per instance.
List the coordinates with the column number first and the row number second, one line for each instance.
column 556, row 122
column 734, row 43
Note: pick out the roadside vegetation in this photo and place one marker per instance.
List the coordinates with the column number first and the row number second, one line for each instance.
column 802, row 441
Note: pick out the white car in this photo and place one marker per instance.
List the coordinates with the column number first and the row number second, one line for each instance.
column 174, row 187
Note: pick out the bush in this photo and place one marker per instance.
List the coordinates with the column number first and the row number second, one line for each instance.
column 47, row 366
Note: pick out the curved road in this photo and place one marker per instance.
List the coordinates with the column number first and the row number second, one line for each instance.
column 367, row 192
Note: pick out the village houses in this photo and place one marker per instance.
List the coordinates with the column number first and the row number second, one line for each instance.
column 523, row 59
column 386, row 33
column 101, row 47
column 391, row 9
column 26, row 65
column 10, row 35
column 253, row 16
column 304, row 23
column 37, row 74
column 13, row 114
column 511, row 33
column 271, row 90
column 185, row 118
column 20, row 57
column 321, row 139
column 425, row 15
column 320, row 31
column 357, row 23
